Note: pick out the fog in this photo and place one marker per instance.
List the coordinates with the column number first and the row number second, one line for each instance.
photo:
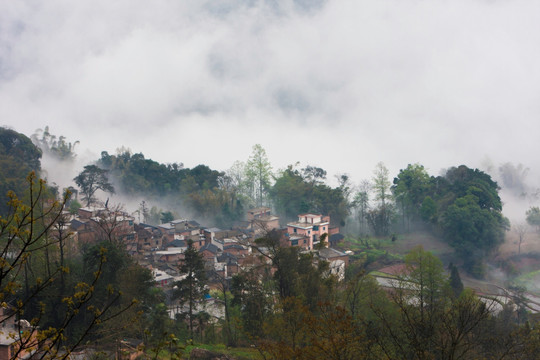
column 337, row 84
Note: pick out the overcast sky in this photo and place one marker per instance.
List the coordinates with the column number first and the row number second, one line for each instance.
column 338, row 84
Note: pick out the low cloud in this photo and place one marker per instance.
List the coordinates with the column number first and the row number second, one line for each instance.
column 338, row 84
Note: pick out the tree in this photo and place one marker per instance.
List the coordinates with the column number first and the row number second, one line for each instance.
column 533, row 217
column 422, row 321
column 473, row 231
column 253, row 298
column 233, row 183
column 409, row 190
column 191, row 289
column 166, row 217
column 428, row 210
column 455, row 280
column 290, row 194
column 18, row 157
column 381, row 184
column 223, row 286
column 426, row 274
column 258, row 174
column 470, row 217
column 361, row 204
column 380, row 218
column 92, row 179
column 57, row 147
column 36, row 282
column 521, row 230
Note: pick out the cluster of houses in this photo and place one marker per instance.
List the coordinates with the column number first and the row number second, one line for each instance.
column 161, row 248
column 225, row 251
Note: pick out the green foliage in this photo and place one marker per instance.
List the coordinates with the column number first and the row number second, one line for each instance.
column 426, row 272
column 92, row 179
column 360, row 204
column 253, row 298
column 74, row 206
column 380, row 218
column 191, row 289
column 18, row 157
column 296, row 192
column 428, row 210
column 464, row 205
column 290, row 194
column 455, row 281
column 208, row 193
column 19, row 148
column 166, row 217
column 258, row 174
column 65, row 297
column 533, row 217
column 472, row 230
column 419, row 320
column 57, row 147
column 381, row 184
column 137, row 175
column 409, row 190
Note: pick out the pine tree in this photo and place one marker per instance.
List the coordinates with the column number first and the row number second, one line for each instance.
column 191, row 289
column 455, row 280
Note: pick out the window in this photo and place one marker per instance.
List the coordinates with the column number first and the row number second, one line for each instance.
column 315, row 227
column 294, row 242
column 324, row 228
column 294, row 230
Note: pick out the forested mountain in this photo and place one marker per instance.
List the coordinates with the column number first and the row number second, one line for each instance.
column 18, row 157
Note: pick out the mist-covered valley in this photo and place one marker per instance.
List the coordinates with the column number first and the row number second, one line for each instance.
column 269, row 179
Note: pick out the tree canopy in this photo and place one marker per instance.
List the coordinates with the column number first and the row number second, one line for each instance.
column 295, row 192
column 92, row 179
column 18, row 157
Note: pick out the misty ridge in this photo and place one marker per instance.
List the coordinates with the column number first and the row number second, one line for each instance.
column 519, row 188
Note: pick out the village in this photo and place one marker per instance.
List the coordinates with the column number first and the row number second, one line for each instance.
column 226, row 252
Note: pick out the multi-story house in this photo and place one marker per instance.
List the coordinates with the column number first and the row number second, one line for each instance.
column 307, row 231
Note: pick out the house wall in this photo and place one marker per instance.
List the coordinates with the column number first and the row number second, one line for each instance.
column 236, row 252
column 253, row 214
column 5, row 352
column 309, row 232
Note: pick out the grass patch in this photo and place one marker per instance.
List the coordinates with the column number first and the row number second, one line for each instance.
column 381, row 274
column 530, row 281
column 237, row 353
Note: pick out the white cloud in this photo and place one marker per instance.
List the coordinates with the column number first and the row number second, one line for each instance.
column 342, row 84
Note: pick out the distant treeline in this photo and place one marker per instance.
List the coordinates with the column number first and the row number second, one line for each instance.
column 462, row 205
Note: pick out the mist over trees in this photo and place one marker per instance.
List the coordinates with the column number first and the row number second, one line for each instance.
column 57, row 147
column 463, row 204
column 90, row 180
column 286, row 302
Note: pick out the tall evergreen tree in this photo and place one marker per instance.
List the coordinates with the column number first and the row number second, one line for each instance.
column 259, row 174
column 455, row 281
column 191, row 289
